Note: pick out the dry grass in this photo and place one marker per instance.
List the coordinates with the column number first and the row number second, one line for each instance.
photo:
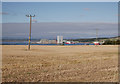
column 60, row 63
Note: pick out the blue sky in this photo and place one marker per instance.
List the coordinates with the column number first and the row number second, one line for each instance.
column 70, row 19
column 60, row 11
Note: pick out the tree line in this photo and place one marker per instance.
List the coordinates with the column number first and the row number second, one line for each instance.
column 112, row 42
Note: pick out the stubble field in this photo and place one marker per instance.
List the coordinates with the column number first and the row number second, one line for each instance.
column 84, row 63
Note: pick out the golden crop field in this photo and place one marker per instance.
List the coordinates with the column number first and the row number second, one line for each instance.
column 78, row 63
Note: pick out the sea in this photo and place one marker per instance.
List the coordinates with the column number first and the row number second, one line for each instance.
column 34, row 43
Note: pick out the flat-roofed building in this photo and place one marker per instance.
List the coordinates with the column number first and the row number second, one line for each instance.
column 59, row 39
column 46, row 41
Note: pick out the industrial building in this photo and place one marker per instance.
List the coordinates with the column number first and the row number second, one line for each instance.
column 46, row 41
column 59, row 39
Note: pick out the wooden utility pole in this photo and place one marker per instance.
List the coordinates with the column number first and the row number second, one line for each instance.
column 30, row 30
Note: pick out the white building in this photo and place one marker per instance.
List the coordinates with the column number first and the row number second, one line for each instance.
column 59, row 39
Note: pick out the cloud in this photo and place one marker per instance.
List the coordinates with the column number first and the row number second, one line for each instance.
column 4, row 13
column 117, row 15
column 66, row 29
column 34, row 20
column 87, row 9
column 82, row 15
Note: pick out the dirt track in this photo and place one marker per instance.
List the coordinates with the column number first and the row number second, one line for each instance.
column 83, row 63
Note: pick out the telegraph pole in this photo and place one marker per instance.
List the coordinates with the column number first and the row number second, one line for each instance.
column 30, row 30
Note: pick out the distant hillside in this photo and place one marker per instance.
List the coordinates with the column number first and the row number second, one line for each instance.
column 94, row 39
column 79, row 40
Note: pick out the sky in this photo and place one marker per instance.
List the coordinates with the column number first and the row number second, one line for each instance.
column 70, row 19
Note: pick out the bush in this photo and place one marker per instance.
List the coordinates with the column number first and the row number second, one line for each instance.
column 112, row 42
